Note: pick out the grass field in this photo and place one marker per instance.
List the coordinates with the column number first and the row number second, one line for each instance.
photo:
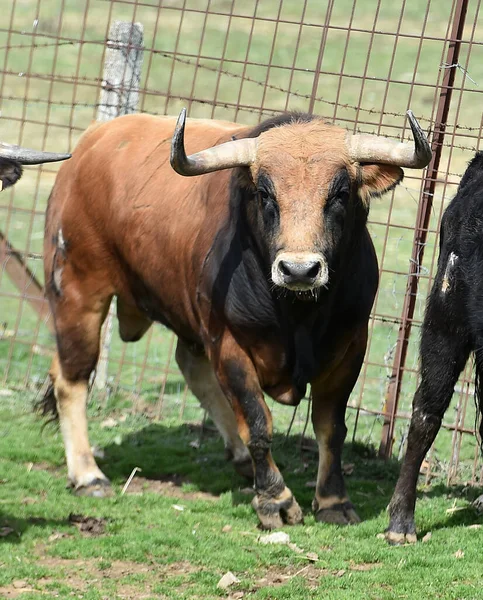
column 146, row 548
column 186, row 520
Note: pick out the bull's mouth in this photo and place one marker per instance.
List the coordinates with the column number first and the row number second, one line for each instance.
column 309, row 296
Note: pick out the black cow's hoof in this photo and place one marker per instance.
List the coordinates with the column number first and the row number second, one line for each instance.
column 401, row 530
column 395, row 538
column 98, row 488
column 274, row 513
column 342, row 513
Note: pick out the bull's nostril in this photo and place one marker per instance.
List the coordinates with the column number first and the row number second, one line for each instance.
column 284, row 268
column 313, row 271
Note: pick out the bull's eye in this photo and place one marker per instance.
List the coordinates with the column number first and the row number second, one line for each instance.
column 266, row 200
column 269, row 206
column 264, row 197
column 343, row 196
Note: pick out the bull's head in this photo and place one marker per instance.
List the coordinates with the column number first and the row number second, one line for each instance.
column 13, row 157
column 312, row 181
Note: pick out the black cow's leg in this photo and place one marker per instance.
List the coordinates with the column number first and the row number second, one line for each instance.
column 274, row 502
column 330, row 394
column 444, row 352
column 198, row 373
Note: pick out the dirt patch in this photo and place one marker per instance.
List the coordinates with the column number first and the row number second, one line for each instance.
column 363, row 566
column 91, row 526
column 82, row 574
column 13, row 591
column 278, row 576
column 169, row 486
column 45, row 466
column 311, row 573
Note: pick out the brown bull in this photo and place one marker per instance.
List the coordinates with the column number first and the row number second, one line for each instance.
column 264, row 270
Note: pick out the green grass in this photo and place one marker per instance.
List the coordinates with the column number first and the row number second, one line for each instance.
column 26, row 345
column 150, row 549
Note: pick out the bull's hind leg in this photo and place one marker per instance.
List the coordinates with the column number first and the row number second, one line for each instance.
column 78, row 318
column 444, row 351
column 330, row 394
column 201, row 379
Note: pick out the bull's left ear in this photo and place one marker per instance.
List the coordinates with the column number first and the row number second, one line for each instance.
column 375, row 180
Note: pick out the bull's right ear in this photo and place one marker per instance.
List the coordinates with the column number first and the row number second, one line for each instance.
column 375, row 179
column 10, row 172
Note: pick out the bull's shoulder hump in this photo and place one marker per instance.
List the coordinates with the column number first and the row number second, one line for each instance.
column 169, row 121
column 146, row 129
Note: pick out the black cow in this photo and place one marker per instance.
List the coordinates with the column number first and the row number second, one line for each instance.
column 452, row 329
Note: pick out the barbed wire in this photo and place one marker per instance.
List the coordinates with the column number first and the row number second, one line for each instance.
column 227, row 106
column 244, row 77
column 37, row 45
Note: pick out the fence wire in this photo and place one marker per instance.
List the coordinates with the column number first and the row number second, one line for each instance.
column 360, row 64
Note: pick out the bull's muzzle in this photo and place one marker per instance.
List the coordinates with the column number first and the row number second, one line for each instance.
column 300, row 271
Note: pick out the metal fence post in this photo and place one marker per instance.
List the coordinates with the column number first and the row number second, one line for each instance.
column 421, row 231
column 119, row 96
column 122, row 71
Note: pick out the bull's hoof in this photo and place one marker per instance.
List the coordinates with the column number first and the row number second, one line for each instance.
column 277, row 512
column 338, row 514
column 97, row 488
column 244, row 468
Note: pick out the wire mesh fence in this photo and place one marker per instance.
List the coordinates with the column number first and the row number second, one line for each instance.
column 358, row 64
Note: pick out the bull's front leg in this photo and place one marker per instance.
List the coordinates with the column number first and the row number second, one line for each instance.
column 330, row 393
column 274, row 503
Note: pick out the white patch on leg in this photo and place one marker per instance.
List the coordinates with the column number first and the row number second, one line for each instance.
column 448, row 273
column 57, row 266
column 71, row 405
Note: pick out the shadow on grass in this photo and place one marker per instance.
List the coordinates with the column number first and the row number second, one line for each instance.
column 458, row 516
column 19, row 526
column 168, row 452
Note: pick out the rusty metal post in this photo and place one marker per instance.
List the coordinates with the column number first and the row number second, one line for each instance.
column 24, row 280
column 421, row 231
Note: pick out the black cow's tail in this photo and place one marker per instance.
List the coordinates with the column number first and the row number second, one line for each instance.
column 479, row 396
column 46, row 405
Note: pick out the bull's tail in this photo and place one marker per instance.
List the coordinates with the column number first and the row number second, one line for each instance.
column 46, row 405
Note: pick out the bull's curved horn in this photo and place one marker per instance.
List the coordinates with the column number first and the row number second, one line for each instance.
column 367, row 148
column 25, row 156
column 238, row 153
